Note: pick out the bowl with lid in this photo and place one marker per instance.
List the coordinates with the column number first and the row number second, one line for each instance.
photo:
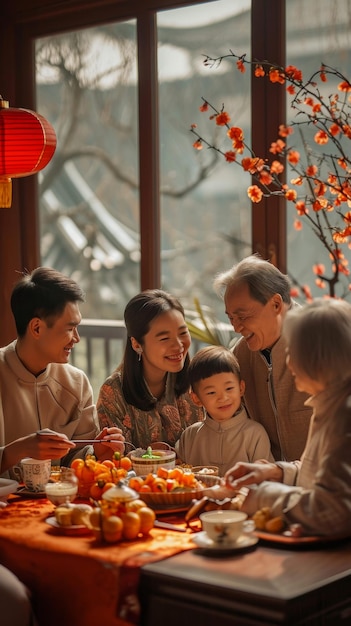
column 148, row 461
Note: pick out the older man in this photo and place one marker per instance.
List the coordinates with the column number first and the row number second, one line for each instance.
column 257, row 296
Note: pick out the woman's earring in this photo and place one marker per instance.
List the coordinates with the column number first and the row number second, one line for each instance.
column 139, row 351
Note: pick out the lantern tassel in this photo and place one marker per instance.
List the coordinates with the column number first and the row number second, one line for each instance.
column 5, row 192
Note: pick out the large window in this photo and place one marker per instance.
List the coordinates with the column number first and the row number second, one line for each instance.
column 317, row 32
column 205, row 210
column 89, row 200
column 87, row 86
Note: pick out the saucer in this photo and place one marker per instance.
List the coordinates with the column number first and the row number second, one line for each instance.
column 204, row 542
column 75, row 529
column 28, row 493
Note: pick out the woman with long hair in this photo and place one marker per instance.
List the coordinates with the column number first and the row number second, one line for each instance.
column 147, row 395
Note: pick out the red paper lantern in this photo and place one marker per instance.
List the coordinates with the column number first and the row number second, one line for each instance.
column 27, row 144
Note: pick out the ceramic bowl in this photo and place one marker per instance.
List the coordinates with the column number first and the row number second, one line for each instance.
column 205, row 470
column 170, row 499
column 161, row 458
column 208, row 480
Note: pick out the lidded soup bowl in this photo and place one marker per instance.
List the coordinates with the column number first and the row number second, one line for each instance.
column 148, row 461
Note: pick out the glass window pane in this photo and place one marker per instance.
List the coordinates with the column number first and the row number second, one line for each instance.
column 89, row 194
column 317, row 32
column 206, row 214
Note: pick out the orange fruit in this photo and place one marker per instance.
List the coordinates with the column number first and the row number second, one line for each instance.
column 95, row 491
column 95, row 518
column 176, row 473
column 112, row 528
column 171, row 484
column 159, row 485
column 188, row 479
column 125, row 463
column 103, row 476
column 147, row 517
column 131, row 525
column 77, row 465
column 145, row 489
column 87, row 474
column 136, row 482
column 162, row 472
column 120, row 473
column 107, row 486
column 135, row 505
column 149, row 479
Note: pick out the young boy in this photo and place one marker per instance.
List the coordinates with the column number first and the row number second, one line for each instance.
column 226, row 435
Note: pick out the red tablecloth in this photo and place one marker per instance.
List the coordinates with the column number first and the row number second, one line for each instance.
column 75, row 580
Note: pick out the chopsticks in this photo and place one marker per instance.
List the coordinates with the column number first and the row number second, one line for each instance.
column 168, row 526
column 91, row 440
column 126, row 443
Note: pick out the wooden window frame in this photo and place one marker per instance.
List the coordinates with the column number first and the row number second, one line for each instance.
column 21, row 23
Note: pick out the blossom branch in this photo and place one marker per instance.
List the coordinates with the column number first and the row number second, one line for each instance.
column 321, row 190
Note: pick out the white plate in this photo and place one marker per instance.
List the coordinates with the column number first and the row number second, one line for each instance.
column 74, row 529
column 203, row 541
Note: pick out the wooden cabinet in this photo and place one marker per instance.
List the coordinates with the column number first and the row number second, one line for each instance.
column 267, row 586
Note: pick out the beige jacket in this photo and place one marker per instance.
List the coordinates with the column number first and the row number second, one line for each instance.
column 317, row 490
column 60, row 398
column 224, row 443
column 271, row 398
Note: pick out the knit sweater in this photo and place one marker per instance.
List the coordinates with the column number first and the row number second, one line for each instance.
column 271, row 398
column 224, row 443
column 60, row 398
column 317, row 490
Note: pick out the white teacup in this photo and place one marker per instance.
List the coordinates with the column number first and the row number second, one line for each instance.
column 35, row 473
column 223, row 527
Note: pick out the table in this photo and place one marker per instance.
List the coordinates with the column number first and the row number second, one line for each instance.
column 75, row 580
column 270, row 586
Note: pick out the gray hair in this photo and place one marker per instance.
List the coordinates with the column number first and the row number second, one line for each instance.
column 318, row 336
column 263, row 280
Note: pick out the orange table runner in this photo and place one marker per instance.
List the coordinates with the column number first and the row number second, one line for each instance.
column 75, row 580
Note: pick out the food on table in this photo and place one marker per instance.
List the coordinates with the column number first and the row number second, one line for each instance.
column 275, row 525
column 95, row 477
column 63, row 490
column 114, row 521
column 70, row 514
column 261, row 517
column 294, row 530
column 165, row 481
column 205, row 470
column 150, row 460
column 265, row 521
column 63, row 515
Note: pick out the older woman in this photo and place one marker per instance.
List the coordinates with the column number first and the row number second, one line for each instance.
column 316, row 490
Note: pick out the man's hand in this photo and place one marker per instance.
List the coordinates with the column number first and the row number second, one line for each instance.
column 44, row 444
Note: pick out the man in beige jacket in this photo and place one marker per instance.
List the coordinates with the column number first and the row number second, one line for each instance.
column 44, row 401
column 256, row 297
